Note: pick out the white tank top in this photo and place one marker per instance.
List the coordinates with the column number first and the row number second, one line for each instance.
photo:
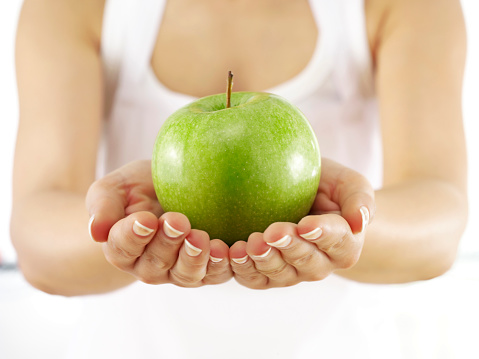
column 334, row 318
column 335, row 90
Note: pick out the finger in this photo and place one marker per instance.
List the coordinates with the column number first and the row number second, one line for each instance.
column 128, row 238
column 244, row 268
column 190, row 268
column 350, row 190
column 308, row 262
column 122, row 192
column 219, row 269
column 106, row 202
column 270, row 261
column 162, row 251
column 332, row 235
column 356, row 199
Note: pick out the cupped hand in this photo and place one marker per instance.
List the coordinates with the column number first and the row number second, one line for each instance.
column 329, row 239
column 138, row 238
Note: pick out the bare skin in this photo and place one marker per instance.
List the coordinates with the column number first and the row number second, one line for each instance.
column 418, row 49
column 166, row 250
column 193, row 55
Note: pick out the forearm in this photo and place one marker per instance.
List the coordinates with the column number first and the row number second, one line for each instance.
column 56, row 255
column 414, row 235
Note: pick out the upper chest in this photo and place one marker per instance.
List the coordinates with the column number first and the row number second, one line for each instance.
column 264, row 43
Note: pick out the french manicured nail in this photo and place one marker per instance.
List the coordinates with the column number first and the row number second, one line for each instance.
column 141, row 230
column 215, row 260
column 283, row 242
column 170, row 231
column 240, row 260
column 90, row 223
column 314, row 234
column 260, row 256
column 191, row 250
column 365, row 217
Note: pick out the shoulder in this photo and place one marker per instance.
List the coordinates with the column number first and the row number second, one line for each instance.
column 421, row 17
column 68, row 17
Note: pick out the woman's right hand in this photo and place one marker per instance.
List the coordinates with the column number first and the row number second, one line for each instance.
column 138, row 238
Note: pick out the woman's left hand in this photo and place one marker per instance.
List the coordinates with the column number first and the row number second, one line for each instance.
column 330, row 238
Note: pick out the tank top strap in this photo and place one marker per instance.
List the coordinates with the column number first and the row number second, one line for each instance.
column 327, row 16
column 354, row 60
column 319, row 67
column 357, row 41
column 129, row 33
column 142, row 33
column 341, row 51
column 130, row 29
column 114, row 29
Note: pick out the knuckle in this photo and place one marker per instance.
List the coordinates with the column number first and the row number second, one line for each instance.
column 303, row 260
column 338, row 243
column 188, row 280
column 216, row 278
column 170, row 245
column 345, row 238
column 217, row 268
column 118, row 251
column 157, row 262
column 275, row 272
column 252, row 277
column 242, row 269
column 197, row 265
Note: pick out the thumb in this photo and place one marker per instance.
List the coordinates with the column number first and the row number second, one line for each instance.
column 106, row 202
column 357, row 205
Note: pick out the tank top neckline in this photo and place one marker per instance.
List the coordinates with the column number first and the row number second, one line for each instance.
column 303, row 83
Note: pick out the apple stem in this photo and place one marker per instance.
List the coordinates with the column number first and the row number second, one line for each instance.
column 229, row 87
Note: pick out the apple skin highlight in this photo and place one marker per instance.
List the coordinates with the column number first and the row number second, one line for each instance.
column 234, row 171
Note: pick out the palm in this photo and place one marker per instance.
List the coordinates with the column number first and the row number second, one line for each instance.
column 139, row 191
column 337, row 192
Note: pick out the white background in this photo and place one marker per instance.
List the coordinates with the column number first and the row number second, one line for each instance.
column 436, row 319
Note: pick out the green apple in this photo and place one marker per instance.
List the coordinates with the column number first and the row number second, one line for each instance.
column 235, row 170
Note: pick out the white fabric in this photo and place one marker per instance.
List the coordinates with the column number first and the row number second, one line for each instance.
column 334, row 318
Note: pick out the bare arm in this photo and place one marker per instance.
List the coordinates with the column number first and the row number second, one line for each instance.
column 60, row 91
column 422, row 208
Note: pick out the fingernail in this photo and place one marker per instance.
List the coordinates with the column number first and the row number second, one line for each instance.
column 314, row 234
column 170, row 231
column 260, row 256
column 215, row 260
column 191, row 250
column 90, row 223
column 240, row 260
column 365, row 217
column 283, row 242
column 141, row 230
